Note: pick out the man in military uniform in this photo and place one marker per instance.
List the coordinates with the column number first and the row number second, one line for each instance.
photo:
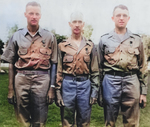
column 77, row 76
column 123, row 63
column 31, row 53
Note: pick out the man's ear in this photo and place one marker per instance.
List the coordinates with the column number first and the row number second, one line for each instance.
column 25, row 14
column 128, row 18
column 112, row 18
column 69, row 24
column 83, row 24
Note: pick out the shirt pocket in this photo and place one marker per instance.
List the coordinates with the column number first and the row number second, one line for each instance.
column 133, row 51
column 109, row 50
column 45, row 51
column 68, row 59
column 86, row 58
column 22, row 51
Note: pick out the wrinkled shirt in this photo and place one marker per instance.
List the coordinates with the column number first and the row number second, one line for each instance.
column 31, row 52
column 77, row 61
column 126, row 54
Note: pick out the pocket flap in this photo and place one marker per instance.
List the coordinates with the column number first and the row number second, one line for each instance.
column 137, row 51
column 87, row 58
column 109, row 50
column 22, row 51
column 133, row 51
column 45, row 51
column 68, row 58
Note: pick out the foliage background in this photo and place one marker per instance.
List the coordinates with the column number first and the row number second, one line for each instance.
column 7, row 115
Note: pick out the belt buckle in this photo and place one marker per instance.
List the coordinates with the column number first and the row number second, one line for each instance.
column 78, row 78
column 30, row 72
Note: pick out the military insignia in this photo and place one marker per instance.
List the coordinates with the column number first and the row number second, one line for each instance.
column 86, row 49
column 104, row 34
column 43, row 41
column 137, row 35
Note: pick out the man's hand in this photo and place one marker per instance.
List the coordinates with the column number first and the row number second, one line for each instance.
column 51, row 95
column 100, row 97
column 59, row 100
column 143, row 101
column 10, row 97
column 93, row 100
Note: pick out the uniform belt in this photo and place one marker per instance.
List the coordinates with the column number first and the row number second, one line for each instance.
column 119, row 73
column 76, row 78
column 33, row 72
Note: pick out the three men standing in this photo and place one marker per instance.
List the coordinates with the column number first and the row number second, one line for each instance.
column 123, row 63
column 32, row 52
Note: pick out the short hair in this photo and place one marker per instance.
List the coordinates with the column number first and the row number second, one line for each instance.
column 33, row 3
column 122, row 7
column 75, row 15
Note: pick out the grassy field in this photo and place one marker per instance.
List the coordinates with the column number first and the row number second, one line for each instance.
column 7, row 115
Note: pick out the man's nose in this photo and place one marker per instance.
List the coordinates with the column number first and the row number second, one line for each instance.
column 77, row 23
column 121, row 17
column 34, row 15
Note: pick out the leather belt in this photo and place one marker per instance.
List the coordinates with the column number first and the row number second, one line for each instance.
column 76, row 78
column 119, row 73
column 33, row 72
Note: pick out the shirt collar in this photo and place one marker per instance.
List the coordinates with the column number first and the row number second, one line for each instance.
column 26, row 31
column 83, row 41
column 127, row 34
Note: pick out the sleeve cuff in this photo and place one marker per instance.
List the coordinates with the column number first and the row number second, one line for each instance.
column 144, row 90
column 53, row 86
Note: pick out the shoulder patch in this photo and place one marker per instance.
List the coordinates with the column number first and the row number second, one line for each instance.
column 137, row 35
column 104, row 34
column 46, row 30
column 64, row 40
column 20, row 29
column 90, row 40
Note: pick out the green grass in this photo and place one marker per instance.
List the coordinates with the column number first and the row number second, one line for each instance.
column 7, row 114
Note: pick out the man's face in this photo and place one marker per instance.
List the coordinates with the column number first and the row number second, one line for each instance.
column 76, row 26
column 121, row 17
column 33, row 15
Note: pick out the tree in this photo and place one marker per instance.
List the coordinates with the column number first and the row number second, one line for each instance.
column 1, row 47
column 87, row 31
column 146, row 42
column 59, row 38
column 11, row 31
column 1, row 51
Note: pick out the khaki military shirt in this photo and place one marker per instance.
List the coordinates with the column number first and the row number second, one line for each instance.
column 31, row 52
column 123, row 54
column 76, row 61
